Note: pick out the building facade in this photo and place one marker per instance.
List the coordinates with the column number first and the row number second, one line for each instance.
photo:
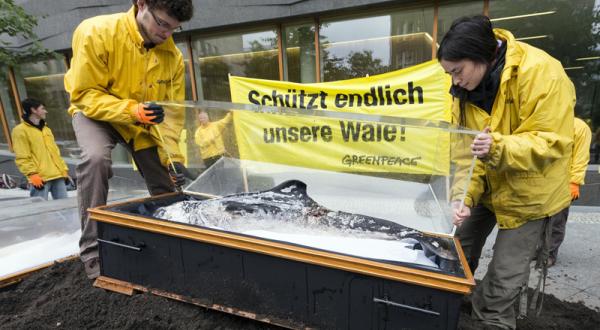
column 304, row 41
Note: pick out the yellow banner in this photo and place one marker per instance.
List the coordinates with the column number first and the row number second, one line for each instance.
column 419, row 92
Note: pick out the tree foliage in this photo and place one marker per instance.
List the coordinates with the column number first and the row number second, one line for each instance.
column 16, row 23
column 354, row 65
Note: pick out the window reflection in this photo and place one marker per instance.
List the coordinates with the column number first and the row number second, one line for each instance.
column 43, row 81
column 186, row 144
column 3, row 139
column 250, row 54
column 448, row 12
column 8, row 104
column 300, row 55
column 390, row 42
column 542, row 24
column 183, row 47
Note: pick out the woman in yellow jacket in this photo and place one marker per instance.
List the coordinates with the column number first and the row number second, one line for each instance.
column 37, row 155
column 522, row 101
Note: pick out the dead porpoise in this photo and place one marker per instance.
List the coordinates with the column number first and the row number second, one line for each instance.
column 289, row 203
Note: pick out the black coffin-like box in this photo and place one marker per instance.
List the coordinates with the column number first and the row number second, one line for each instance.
column 404, row 175
column 272, row 281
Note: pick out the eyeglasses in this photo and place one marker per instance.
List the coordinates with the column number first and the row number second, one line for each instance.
column 164, row 25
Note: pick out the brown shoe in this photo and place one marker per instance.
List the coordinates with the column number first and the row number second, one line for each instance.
column 92, row 268
column 551, row 262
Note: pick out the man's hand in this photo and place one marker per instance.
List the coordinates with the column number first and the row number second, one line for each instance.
column 150, row 114
column 179, row 177
column 459, row 214
column 574, row 191
column 482, row 144
column 36, row 180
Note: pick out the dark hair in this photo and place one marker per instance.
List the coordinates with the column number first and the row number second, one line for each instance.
column 29, row 104
column 182, row 10
column 469, row 38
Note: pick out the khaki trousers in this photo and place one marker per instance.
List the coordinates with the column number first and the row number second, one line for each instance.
column 97, row 140
column 508, row 273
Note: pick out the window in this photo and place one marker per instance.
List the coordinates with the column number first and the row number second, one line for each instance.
column 3, row 137
column 448, row 12
column 300, row 55
column 8, row 104
column 186, row 143
column 183, row 47
column 371, row 45
column 247, row 54
column 44, row 81
column 567, row 30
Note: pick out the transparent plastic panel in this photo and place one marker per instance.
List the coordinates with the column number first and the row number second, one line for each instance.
column 341, row 182
column 401, row 169
column 34, row 232
column 30, row 241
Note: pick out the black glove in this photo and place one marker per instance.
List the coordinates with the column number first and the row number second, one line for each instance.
column 70, row 183
column 179, row 177
column 155, row 110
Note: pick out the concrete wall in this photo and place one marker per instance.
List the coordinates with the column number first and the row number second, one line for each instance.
column 58, row 18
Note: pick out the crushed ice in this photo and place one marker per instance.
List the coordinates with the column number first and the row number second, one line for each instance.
column 277, row 216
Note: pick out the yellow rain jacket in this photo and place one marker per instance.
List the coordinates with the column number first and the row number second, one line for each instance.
column 525, row 176
column 113, row 72
column 582, row 136
column 210, row 138
column 37, row 152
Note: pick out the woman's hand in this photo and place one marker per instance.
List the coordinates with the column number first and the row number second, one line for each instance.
column 482, row 144
column 460, row 213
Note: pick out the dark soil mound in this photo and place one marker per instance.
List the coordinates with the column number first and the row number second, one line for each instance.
column 62, row 297
column 556, row 314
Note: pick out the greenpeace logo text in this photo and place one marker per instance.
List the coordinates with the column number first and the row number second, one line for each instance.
column 354, row 160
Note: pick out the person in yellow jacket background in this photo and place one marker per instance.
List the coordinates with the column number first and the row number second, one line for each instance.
column 522, row 102
column 120, row 63
column 36, row 154
column 209, row 137
column 582, row 137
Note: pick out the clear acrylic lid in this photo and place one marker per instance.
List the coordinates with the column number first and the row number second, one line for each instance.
column 403, row 170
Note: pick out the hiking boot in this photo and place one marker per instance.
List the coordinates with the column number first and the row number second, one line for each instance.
column 92, row 268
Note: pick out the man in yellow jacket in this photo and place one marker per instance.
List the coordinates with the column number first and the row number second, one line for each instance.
column 582, row 138
column 121, row 62
column 209, row 137
column 522, row 101
column 37, row 155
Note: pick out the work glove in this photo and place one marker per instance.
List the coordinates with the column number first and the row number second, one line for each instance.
column 150, row 113
column 36, row 181
column 574, row 191
column 179, row 177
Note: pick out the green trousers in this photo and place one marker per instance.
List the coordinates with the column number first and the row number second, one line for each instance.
column 508, row 273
